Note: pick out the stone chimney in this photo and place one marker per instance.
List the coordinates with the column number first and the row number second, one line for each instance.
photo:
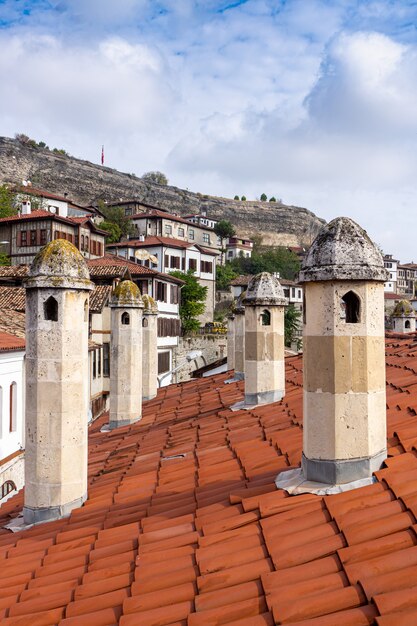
column 231, row 341
column 404, row 318
column 344, row 356
column 239, row 324
column 264, row 340
column 125, row 355
column 149, row 348
column 56, row 382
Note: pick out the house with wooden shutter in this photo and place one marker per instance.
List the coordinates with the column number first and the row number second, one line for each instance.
column 165, row 254
column 23, row 235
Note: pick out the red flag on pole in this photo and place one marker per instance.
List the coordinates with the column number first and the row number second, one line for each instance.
column 102, row 155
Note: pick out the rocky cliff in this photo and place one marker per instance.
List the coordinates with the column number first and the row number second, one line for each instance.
column 86, row 183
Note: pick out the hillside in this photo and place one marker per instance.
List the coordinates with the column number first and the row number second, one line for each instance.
column 86, row 183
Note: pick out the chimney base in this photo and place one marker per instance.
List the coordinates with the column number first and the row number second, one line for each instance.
column 295, row 483
column 336, row 472
column 47, row 514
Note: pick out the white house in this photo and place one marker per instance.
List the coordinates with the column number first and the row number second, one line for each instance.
column 391, row 265
column 165, row 255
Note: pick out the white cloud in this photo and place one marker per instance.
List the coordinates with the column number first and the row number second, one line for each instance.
column 312, row 102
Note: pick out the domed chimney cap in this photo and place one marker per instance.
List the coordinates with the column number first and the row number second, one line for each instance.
column 343, row 251
column 265, row 289
column 59, row 264
column 403, row 309
column 126, row 295
column 150, row 306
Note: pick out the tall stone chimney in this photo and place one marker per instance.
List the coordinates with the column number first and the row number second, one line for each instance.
column 56, row 382
column 125, row 355
column 239, row 324
column 404, row 318
column 149, row 348
column 264, row 340
column 344, row 356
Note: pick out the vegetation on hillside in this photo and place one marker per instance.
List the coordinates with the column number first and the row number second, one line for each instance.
column 155, row 177
column 193, row 298
column 115, row 215
column 7, row 202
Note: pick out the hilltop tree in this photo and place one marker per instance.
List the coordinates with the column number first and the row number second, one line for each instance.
column 243, row 198
column 155, row 177
column 7, row 202
column 116, row 215
column 264, row 197
column 272, row 199
column 193, row 299
column 236, row 198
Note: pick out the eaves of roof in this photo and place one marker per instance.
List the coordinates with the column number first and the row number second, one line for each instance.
column 183, row 523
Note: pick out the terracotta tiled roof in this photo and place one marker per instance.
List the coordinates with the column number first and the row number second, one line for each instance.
column 153, row 241
column 10, row 342
column 183, row 524
column 36, row 215
column 99, row 298
column 392, row 296
column 111, row 265
column 162, row 214
column 12, row 322
column 12, row 298
column 13, row 271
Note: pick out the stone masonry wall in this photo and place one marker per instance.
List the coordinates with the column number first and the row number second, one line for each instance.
column 214, row 347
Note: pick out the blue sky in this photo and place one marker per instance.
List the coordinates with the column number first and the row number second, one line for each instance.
column 312, row 101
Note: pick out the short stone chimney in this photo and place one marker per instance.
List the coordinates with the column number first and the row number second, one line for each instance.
column 404, row 318
column 231, row 341
column 264, row 340
column 126, row 307
column 239, row 324
column 344, row 356
column 149, row 348
column 57, row 291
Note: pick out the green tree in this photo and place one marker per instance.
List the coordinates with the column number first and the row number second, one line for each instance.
column 193, row 299
column 155, row 177
column 4, row 259
column 270, row 260
column 264, row 197
column 291, row 324
column 243, row 198
column 236, row 198
column 116, row 215
column 224, row 229
column 224, row 275
column 7, row 202
column 272, row 199
column 114, row 231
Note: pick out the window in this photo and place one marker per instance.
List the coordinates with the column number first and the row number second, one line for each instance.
column 175, row 262
column 166, row 260
column 13, row 408
column 163, row 362
column 169, row 327
column 191, row 234
column 145, row 322
column 298, row 293
column 230, row 253
column 128, row 211
column 125, row 319
column 181, row 232
column 23, row 238
column 168, row 229
column 82, row 242
column 33, row 237
column 407, row 324
column 50, row 309
column 266, row 318
column 106, row 359
column 207, row 267
column 206, row 238
column 86, row 244
column 350, row 308
column 292, row 292
column 161, row 291
column 43, row 236
column 99, row 362
column 192, row 264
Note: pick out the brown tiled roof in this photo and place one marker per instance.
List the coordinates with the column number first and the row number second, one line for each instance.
column 183, row 524
column 153, row 241
column 36, row 215
column 10, row 342
column 111, row 265
column 99, row 298
column 162, row 214
column 12, row 298
column 392, row 296
column 12, row 322
column 13, row 271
